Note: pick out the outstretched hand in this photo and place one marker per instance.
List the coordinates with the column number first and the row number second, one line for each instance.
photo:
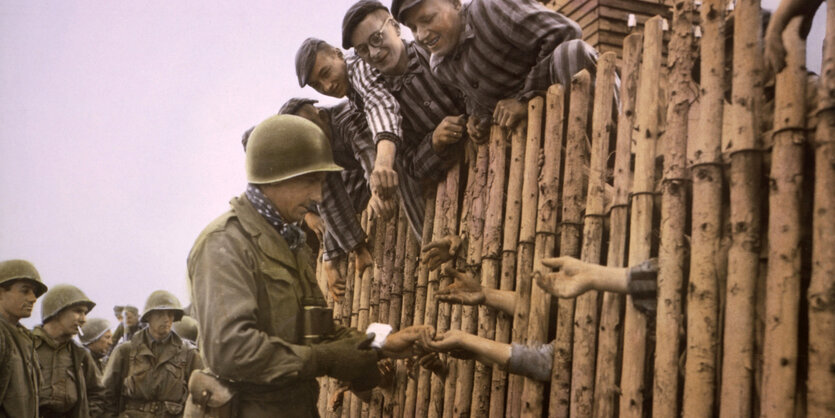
column 440, row 251
column 401, row 344
column 571, row 278
column 464, row 289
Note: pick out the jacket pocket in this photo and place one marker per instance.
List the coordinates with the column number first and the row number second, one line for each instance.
column 283, row 296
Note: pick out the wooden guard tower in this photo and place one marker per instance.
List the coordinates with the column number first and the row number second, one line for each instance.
column 604, row 22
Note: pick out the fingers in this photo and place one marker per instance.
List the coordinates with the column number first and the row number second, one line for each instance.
column 556, row 263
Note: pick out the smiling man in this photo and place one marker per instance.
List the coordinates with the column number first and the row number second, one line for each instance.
column 20, row 287
column 266, row 331
column 500, row 53
column 71, row 379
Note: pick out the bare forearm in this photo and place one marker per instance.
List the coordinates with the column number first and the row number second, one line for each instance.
column 385, row 154
column 487, row 351
column 503, row 300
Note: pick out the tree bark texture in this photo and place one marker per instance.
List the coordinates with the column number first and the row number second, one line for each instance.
column 606, row 390
column 512, row 221
column 736, row 398
column 821, row 384
column 490, row 265
column 784, row 228
column 646, row 137
column 586, row 309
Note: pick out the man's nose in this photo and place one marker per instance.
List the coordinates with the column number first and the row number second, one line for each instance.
column 374, row 51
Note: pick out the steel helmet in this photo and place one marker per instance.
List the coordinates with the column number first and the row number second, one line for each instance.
column 162, row 300
column 93, row 329
column 60, row 297
column 286, row 146
column 22, row 270
column 186, row 327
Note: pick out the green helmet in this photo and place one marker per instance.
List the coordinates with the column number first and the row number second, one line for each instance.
column 162, row 300
column 286, row 146
column 186, row 327
column 60, row 297
column 93, row 329
column 22, row 270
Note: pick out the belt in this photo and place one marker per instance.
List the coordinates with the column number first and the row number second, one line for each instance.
column 154, row 406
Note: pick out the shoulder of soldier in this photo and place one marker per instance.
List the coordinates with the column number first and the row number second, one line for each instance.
column 223, row 225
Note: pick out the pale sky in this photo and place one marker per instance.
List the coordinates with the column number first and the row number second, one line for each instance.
column 120, row 127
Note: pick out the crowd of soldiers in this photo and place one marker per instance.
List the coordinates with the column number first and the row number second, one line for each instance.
column 266, row 333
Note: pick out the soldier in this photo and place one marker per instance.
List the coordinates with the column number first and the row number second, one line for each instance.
column 20, row 287
column 265, row 329
column 148, row 376
column 71, row 379
column 186, row 328
column 96, row 336
column 131, row 321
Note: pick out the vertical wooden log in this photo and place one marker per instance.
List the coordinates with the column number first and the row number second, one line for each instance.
column 606, row 391
column 821, row 384
column 673, row 247
column 490, row 268
column 416, row 316
column 363, row 304
column 507, row 281
column 501, row 399
column 705, row 148
column 430, row 307
column 475, row 233
column 745, row 174
column 393, row 405
column 544, row 240
column 571, row 232
column 449, row 215
column 585, row 311
column 527, row 237
column 783, row 276
column 640, row 232
column 379, row 283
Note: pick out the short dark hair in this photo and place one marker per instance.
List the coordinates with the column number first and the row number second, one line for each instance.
column 292, row 106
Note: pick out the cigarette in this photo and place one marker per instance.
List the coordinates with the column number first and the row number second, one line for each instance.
column 80, row 332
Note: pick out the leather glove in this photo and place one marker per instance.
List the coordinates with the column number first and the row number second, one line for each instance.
column 349, row 359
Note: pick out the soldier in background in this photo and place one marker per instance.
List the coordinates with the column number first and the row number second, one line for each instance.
column 130, row 321
column 97, row 338
column 20, row 287
column 186, row 328
column 71, row 380
column 147, row 376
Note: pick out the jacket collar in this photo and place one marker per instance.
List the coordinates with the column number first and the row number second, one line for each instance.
column 41, row 337
column 266, row 237
column 143, row 340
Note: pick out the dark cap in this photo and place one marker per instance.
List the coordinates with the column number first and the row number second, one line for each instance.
column 399, row 8
column 293, row 105
column 306, row 57
column 354, row 16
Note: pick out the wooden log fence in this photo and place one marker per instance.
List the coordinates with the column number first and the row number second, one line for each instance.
column 754, row 334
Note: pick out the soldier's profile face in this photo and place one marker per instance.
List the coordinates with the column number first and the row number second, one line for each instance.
column 436, row 25
column 17, row 302
column 70, row 319
column 377, row 41
column 329, row 74
column 102, row 345
column 296, row 196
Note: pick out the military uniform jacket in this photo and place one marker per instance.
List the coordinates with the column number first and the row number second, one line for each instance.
column 85, row 375
column 247, row 292
column 141, row 381
column 19, row 372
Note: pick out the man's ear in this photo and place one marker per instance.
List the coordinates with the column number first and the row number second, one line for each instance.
column 323, row 114
column 338, row 52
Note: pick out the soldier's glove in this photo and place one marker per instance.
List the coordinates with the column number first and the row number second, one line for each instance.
column 350, row 359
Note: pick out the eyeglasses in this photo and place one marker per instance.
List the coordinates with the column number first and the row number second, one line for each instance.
column 375, row 40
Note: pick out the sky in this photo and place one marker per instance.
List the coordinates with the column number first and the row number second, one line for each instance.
column 120, row 126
